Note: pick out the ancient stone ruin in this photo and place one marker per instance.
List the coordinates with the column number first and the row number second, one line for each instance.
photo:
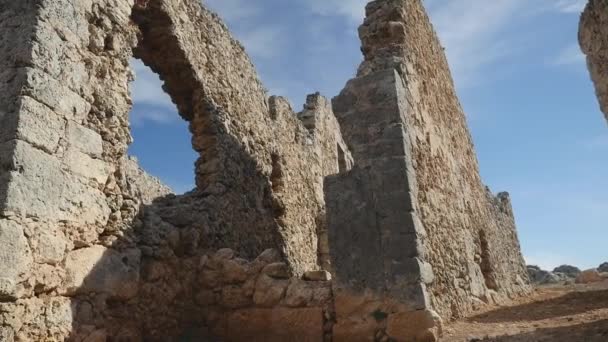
column 593, row 38
column 359, row 219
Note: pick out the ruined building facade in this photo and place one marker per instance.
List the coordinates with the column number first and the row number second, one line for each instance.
column 378, row 189
column 593, row 38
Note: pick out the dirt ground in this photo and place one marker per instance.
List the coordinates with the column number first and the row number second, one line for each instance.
column 572, row 313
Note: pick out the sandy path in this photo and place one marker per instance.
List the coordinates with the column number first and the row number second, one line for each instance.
column 568, row 313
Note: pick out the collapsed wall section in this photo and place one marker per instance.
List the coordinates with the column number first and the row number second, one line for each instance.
column 404, row 125
column 593, row 38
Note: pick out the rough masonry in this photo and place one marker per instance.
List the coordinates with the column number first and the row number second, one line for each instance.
column 593, row 38
column 428, row 240
column 383, row 196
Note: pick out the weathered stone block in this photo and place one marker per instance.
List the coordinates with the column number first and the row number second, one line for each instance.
column 101, row 270
column 418, row 326
column 45, row 89
column 49, row 245
column 83, row 165
column 15, row 257
column 84, row 140
column 269, row 291
column 39, row 187
column 37, row 125
column 273, row 325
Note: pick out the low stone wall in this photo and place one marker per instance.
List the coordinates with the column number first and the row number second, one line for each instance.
column 259, row 301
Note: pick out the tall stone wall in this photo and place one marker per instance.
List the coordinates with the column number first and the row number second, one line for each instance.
column 92, row 246
column 593, row 38
column 427, row 233
column 473, row 245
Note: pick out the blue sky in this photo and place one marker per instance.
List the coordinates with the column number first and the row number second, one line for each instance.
column 522, row 81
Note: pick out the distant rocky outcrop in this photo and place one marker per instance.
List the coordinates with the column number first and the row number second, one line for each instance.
column 568, row 270
column 567, row 274
column 562, row 274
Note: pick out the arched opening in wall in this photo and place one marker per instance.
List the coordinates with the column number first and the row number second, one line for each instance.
column 161, row 140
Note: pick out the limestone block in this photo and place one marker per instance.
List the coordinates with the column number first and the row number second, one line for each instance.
column 299, row 293
column 234, row 272
column 59, row 313
column 45, row 89
column 269, row 291
column 317, row 276
column 39, row 187
column 234, row 297
column 84, row 140
column 273, row 325
column 38, row 125
column 418, row 326
column 278, row 270
column 83, row 165
column 101, row 270
column 15, row 257
column 48, row 245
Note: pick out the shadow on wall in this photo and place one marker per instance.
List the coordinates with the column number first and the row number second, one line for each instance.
column 143, row 283
column 147, row 284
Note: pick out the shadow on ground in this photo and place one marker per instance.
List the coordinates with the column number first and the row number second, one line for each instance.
column 568, row 305
column 588, row 332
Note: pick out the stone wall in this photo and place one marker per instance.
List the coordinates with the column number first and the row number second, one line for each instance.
column 593, row 38
column 426, row 232
column 83, row 230
column 93, row 248
column 473, row 245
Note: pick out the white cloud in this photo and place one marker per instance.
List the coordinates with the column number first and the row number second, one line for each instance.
column 262, row 42
column 233, row 10
column 570, row 6
column 352, row 9
column 472, row 32
column 569, row 55
column 147, row 91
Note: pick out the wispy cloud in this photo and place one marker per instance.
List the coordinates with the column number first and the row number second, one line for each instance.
column 233, row 10
column 570, row 6
column 570, row 55
column 149, row 99
column 263, row 42
column 352, row 9
column 472, row 32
